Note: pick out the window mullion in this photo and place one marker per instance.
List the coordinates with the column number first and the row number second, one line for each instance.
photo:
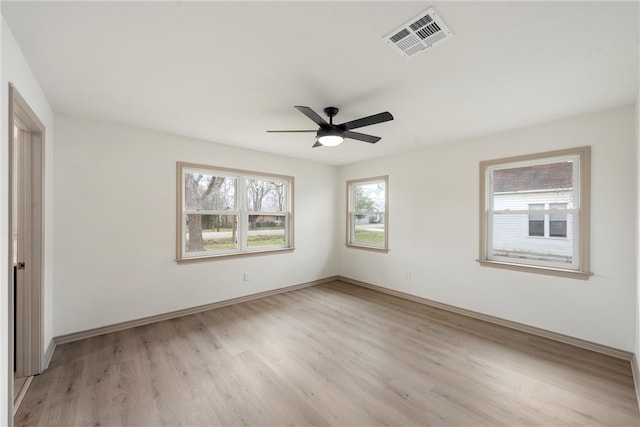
column 352, row 227
column 575, row 230
column 286, row 228
column 547, row 232
column 243, row 217
column 489, row 231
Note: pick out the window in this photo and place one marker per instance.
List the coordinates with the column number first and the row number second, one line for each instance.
column 536, row 221
column 534, row 213
column 548, row 224
column 229, row 212
column 367, row 213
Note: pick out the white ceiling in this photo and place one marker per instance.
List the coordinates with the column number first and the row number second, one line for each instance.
column 228, row 71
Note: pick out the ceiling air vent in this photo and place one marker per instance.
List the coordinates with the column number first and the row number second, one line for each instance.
column 418, row 34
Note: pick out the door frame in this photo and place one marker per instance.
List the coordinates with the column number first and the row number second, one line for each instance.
column 28, row 309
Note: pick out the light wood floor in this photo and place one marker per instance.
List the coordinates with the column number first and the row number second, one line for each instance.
column 333, row 354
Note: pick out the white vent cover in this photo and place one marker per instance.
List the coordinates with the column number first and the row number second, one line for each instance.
column 418, row 34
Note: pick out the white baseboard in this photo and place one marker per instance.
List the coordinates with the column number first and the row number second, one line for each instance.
column 75, row 336
column 577, row 342
column 48, row 354
column 17, row 400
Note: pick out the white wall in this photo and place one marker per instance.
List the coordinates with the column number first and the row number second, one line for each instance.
column 116, row 218
column 15, row 69
column 433, row 225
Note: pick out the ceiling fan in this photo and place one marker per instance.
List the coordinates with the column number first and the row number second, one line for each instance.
column 330, row 135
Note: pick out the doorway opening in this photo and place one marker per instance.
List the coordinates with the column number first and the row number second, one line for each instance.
column 26, row 246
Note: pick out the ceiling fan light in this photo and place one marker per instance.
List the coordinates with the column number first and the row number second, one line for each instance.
column 330, row 140
column 329, row 137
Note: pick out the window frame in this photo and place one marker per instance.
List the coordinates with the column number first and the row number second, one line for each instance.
column 350, row 232
column 241, row 212
column 581, row 210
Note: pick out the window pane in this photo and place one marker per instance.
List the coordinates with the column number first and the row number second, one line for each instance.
column 557, row 206
column 514, row 188
column 209, row 192
column 510, row 241
column 369, row 229
column 210, row 233
column 369, row 197
column 558, row 228
column 536, row 227
column 548, row 176
column 266, row 196
column 536, row 207
column 266, row 230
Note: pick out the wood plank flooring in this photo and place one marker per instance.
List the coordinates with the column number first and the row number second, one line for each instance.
column 332, row 354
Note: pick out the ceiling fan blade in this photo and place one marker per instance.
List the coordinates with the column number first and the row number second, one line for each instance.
column 312, row 115
column 272, row 131
column 361, row 137
column 366, row 121
column 317, row 144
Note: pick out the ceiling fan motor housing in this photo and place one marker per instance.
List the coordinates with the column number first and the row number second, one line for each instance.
column 329, row 132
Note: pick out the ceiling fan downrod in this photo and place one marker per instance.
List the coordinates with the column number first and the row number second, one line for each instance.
column 331, row 113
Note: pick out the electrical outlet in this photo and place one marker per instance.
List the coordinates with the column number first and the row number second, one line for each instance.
column 408, row 275
column 246, row 277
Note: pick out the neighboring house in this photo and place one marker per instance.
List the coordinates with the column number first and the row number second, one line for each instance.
column 267, row 221
column 212, row 222
column 376, row 218
column 547, row 235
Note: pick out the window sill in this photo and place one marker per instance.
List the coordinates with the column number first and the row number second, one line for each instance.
column 559, row 272
column 232, row 255
column 367, row 248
